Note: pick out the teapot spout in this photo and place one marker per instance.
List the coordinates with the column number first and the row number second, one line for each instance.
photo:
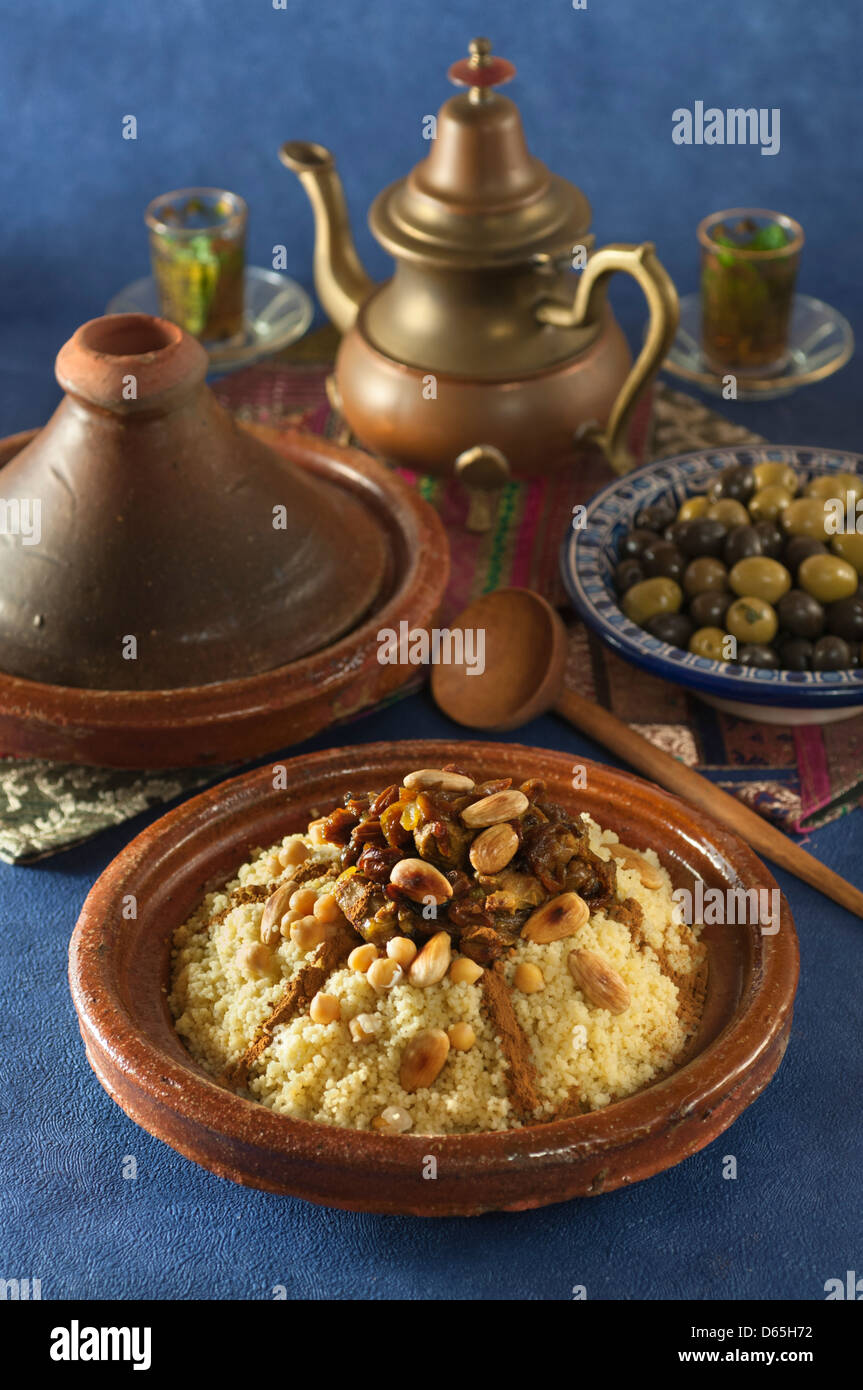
column 341, row 283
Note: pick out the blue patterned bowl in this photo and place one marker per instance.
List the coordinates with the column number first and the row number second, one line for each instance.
column 589, row 555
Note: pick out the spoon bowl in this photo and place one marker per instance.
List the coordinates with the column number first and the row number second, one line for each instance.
column 524, row 647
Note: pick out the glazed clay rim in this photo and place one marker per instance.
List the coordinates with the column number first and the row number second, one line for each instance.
column 733, row 1067
column 112, row 709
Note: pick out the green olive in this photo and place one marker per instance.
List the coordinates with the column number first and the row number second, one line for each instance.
column 827, row 578
column 840, row 485
column 693, row 507
column 769, row 474
column 850, row 547
column 704, row 573
column 652, row 596
column 729, row 512
column 760, row 577
column 751, row 619
column 709, row 642
column 807, row 516
column 769, row 503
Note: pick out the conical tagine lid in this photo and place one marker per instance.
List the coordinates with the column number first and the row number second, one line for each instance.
column 157, row 543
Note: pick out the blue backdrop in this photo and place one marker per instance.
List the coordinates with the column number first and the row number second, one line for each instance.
column 215, row 87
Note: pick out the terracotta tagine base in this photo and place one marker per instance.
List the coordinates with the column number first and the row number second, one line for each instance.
column 250, row 714
column 119, row 969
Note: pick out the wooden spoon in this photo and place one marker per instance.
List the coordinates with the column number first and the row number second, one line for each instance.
column 524, row 661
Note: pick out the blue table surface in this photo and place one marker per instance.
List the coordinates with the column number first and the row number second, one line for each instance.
column 70, row 237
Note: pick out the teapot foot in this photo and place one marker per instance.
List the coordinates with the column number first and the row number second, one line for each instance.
column 484, row 470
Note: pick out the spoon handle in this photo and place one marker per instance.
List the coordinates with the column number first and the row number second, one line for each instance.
column 614, row 734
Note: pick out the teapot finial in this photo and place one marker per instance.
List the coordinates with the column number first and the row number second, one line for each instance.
column 481, row 71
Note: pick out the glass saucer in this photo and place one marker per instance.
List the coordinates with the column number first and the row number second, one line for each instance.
column 820, row 342
column 277, row 312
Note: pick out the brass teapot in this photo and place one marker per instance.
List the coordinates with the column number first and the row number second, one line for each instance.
column 484, row 353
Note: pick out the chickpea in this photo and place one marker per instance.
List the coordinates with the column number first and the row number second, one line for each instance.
column 326, row 909
column 528, row 978
column 393, row 1120
column 364, row 1027
column 308, row 933
column 361, row 957
column 294, row 852
column 254, row 959
column 316, row 831
column 464, row 971
column 303, row 900
column 402, row 950
column 461, row 1037
column 384, row 973
column 325, row 1008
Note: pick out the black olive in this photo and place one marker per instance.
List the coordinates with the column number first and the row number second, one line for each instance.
column 845, row 618
column 758, row 654
column 796, row 654
column 675, row 531
column 772, row 539
column 831, row 654
column 655, row 518
column 628, row 572
column 705, row 537
column 674, row 628
column 799, row 548
column 735, row 481
column 800, row 614
column 634, row 542
column 662, row 559
column 740, row 544
column 709, row 608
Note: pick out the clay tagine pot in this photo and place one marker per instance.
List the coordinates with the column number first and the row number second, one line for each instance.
column 173, row 548
column 483, row 354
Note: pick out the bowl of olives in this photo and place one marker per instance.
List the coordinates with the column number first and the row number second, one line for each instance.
column 737, row 573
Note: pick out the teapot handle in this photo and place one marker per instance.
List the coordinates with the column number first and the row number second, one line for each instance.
column 642, row 264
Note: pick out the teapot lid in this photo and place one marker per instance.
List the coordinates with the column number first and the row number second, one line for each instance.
column 479, row 198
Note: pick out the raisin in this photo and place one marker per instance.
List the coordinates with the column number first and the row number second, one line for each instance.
column 377, row 863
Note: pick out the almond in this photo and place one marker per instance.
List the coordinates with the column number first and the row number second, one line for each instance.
column 420, row 881
column 559, row 917
column 491, row 810
column 493, row 848
column 275, row 907
column 598, row 981
column 432, row 963
column 423, row 1058
column 648, row 873
column 427, row 777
